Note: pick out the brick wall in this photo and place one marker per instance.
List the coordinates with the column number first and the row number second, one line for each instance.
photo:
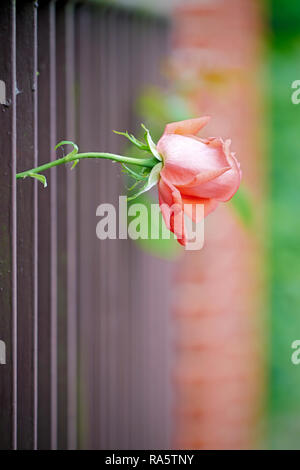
column 219, row 372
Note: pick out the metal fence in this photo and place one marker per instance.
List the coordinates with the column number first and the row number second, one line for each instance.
column 84, row 335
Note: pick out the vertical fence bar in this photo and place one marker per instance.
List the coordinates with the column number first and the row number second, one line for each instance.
column 132, row 253
column 47, row 239
column 99, row 46
column 67, row 259
column 62, row 239
column 113, row 267
column 72, row 275
column 103, row 413
column 97, row 178
column 88, row 181
column 8, row 281
column 26, row 34
column 137, row 347
column 53, row 214
column 123, row 305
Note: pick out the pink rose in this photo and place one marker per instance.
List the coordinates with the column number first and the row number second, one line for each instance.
column 195, row 171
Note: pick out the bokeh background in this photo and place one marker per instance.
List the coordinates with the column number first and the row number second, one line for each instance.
column 236, row 307
column 123, row 344
column 283, row 260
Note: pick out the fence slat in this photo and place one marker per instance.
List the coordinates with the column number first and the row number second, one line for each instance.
column 26, row 34
column 113, row 268
column 8, row 287
column 86, row 204
column 103, row 363
column 47, row 229
column 72, row 262
column 61, row 56
column 67, row 259
column 98, row 137
column 123, row 305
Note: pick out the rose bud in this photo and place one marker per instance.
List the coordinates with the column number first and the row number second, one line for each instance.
column 195, row 171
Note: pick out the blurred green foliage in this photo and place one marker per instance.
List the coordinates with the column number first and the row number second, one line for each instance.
column 284, row 53
column 285, row 18
column 243, row 205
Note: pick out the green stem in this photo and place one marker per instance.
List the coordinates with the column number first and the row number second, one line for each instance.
column 148, row 162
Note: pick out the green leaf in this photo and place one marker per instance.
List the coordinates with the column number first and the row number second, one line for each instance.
column 138, row 143
column 151, row 144
column 40, row 178
column 133, row 186
column 152, row 181
column 74, row 164
column 134, row 174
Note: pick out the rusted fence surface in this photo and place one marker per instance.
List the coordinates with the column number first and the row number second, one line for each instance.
column 83, row 322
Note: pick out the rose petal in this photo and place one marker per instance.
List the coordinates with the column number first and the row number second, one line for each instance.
column 185, row 158
column 203, row 177
column 190, row 126
column 223, row 187
column 171, row 206
column 188, row 202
